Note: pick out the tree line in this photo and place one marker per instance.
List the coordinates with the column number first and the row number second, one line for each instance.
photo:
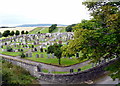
column 12, row 33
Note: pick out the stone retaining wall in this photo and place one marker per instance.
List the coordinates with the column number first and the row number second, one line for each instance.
column 75, row 78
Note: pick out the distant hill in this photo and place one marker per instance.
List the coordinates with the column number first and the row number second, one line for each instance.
column 38, row 25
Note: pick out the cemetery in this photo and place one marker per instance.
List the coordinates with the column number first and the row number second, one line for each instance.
column 37, row 48
column 87, row 51
column 34, row 47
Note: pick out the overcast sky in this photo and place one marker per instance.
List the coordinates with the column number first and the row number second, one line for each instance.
column 17, row 12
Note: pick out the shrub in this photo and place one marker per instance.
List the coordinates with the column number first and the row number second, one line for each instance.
column 9, row 49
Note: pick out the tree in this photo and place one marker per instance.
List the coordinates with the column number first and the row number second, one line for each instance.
column 6, row 33
column 58, row 54
column 0, row 34
column 26, row 32
column 12, row 33
column 102, row 42
column 52, row 27
column 22, row 32
column 39, row 32
column 50, row 49
column 9, row 49
column 56, row 49
column 70, row 28
column 87, row 24
column 17, row 33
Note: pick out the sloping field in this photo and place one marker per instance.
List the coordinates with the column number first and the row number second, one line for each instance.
column 17, row 28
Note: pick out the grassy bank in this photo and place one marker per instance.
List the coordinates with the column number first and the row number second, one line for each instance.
column 12, row 74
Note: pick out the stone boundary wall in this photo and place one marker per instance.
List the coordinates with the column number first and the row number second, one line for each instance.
column 71, row 78
column 79, row 77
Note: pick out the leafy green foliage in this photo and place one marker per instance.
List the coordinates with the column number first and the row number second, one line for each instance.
column 22, row 55
column 115, row 70
column 87, row 24
column 6, row 33
column 12, row 33
column 15, row 75
column 70, row 28
column 56, row 49
column 39, row 32
column 0, row 34
column 17, row 33
column 52, row 27
column 26, row 32
column 102, row 42
column 22, row 32
column 9, row 49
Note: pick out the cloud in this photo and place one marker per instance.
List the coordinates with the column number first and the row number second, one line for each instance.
column 42, row 11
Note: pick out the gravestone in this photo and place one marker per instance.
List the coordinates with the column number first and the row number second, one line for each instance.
column 5, row 43
column 93, row 64
column 109, row 59
column 21, row 49
column 71, row 70
column 26, row 54
column 2, row 46
column 67, row 43
column 39, row 68
column 77, row 55
column 45, row 50
column 32, row 46
column 48, row 55
column 53, row 55
column 79, row 70
column 41, row 49
column 42, row 56
column 30, row 55
column 16, row 50
column 37, row 55
column 64, row 56
column 35, row 49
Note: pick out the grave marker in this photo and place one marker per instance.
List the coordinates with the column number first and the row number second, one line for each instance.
column 37, row 55
column 71, row 70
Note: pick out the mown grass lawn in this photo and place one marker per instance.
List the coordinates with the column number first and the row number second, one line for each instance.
column 62, row 30
column 54, row 61
column 56, row 30
column 45, row 30
column 86, row 67
column 11, row 53
column 35, row 31
column 5, row 37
